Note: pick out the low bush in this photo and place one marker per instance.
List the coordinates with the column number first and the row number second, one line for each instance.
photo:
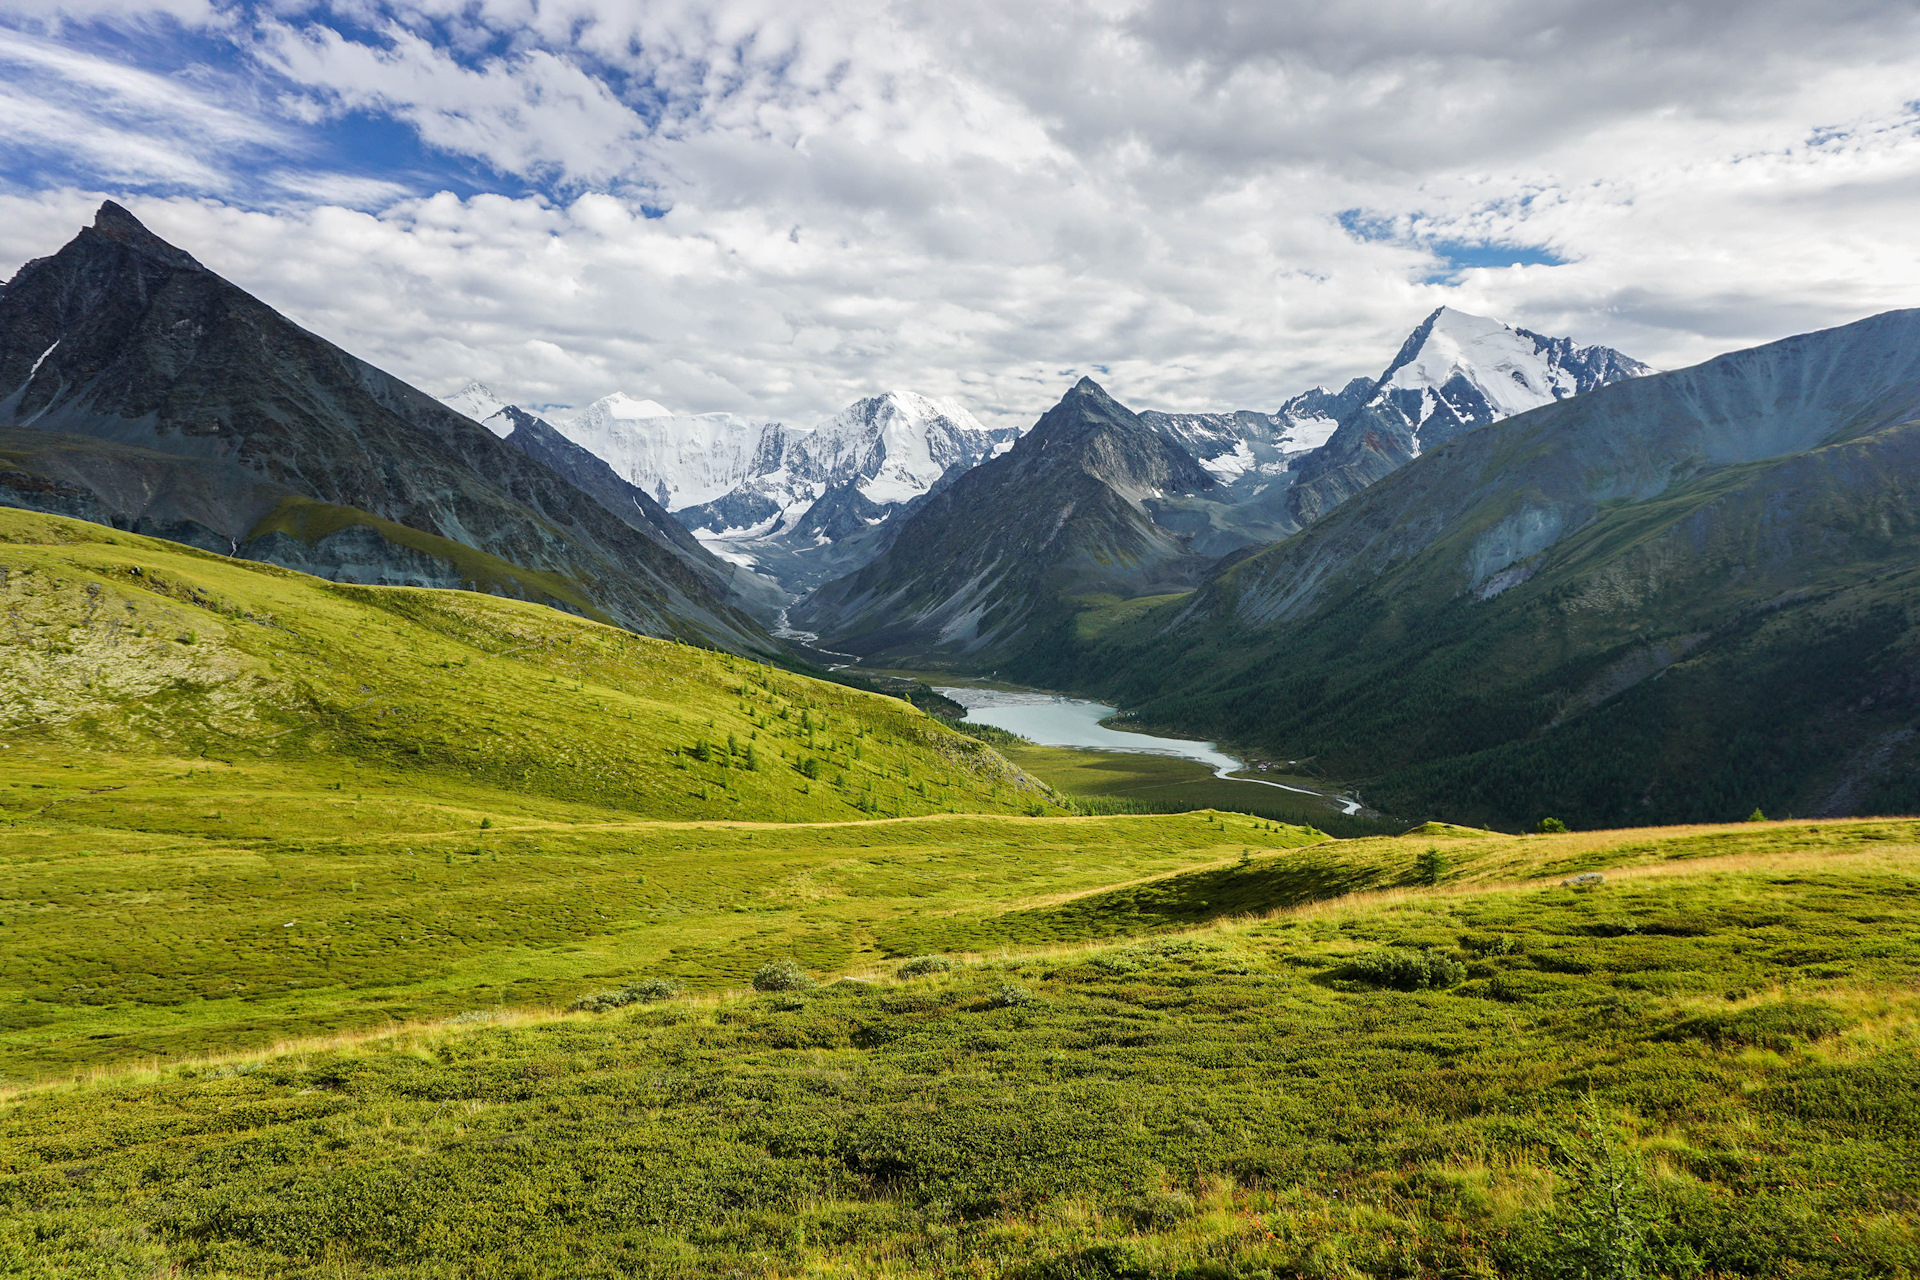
column 1158, row 1210
column 643, row 992
column 1011, row 995
column 781, row 975
column 920, row 966
column 1777, row 1026
column 1406, row 970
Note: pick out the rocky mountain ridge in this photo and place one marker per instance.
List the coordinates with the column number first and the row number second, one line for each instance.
column 1676, row 597
column 139, row 389
column 996, row 556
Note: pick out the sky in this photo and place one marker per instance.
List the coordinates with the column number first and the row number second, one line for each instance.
column 773, row 208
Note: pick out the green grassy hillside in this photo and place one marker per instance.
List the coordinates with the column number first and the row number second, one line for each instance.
column 241, row 804
column 1702, row 1066
column 294, row 687
column 302, row 886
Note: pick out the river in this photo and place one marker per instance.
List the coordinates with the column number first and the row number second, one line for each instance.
column 1055, row 721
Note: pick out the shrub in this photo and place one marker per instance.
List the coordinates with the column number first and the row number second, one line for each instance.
column 645, row 991
column 1406, row 970
column 1431, row 866
column 1010, row 996
column 1756, row 815
column 1551, row 827
column 1608, row 1221
column 920, row 966
column 1775, row 1026
column 1158, row 1210
column 781, row 975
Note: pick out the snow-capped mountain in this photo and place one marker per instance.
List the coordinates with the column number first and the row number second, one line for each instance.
column 1455, row 372
column 725, row 474
column 895, row 447
column 1245, row 444
column 766, row 495
column 1458, row 371
column 478, row 402
column 683, row 460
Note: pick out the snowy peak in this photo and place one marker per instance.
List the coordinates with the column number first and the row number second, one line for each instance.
column 621, row 407
column 1311, row 417
column 737, row 482
column 681, row 460
column 1250, row 446
column 896, row 446
column 477, row 401
column 1457, row 371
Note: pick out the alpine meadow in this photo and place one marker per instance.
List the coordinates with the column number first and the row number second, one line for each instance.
column 657, row 641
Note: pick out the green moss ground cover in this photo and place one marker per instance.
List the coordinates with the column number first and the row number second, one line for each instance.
column 1704, row 1067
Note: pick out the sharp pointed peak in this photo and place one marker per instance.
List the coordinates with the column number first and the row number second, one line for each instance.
column 114, row 216
column 115, row 222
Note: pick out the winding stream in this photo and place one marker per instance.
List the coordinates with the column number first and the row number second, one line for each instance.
column 1055, row 721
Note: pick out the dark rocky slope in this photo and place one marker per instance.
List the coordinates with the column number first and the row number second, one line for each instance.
column 147, row 392
column 1005, row 551
column 1673, row 598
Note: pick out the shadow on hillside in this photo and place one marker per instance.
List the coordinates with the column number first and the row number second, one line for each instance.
column 1179, row 901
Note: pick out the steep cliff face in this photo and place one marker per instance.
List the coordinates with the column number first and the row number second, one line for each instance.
column 1677, row 597
column 129, row 343
column 985, row 565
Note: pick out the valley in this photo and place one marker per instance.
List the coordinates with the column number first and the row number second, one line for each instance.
column 1067, row 743
column 440, row 838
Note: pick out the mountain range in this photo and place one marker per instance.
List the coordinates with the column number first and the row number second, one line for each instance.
column 797, row 506
column 1511, row 575
column 141, row 390
column 1680, row 597
column 967, row 579
column 992, row 556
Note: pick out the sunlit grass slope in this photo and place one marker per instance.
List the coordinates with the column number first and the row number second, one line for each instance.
column 1706, row 1065
column 239, row 803
column 120, row 644
column 118, row 943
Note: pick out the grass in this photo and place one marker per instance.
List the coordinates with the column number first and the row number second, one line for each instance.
column 308, row 521
column 1724, row 1032
column 168, row 656
column 119, row 943
column 297, row 881
column 1097, row 614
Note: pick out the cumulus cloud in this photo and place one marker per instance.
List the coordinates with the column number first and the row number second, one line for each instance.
column 732, row 204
